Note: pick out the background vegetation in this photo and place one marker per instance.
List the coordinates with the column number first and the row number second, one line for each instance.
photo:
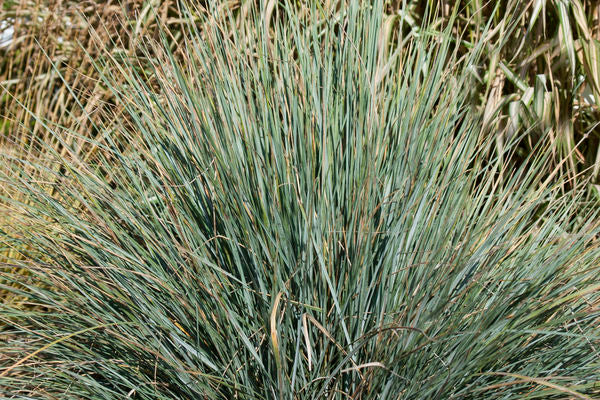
column 292, row 200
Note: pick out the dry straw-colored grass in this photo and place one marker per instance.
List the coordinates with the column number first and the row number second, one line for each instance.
column 47, row 71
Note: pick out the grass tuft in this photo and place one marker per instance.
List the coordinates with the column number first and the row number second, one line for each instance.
column 293, row 207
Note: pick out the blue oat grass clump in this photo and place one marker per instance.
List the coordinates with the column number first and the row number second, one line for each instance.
column 293, row 206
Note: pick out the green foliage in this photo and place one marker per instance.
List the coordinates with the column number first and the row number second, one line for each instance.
column 293, row 208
